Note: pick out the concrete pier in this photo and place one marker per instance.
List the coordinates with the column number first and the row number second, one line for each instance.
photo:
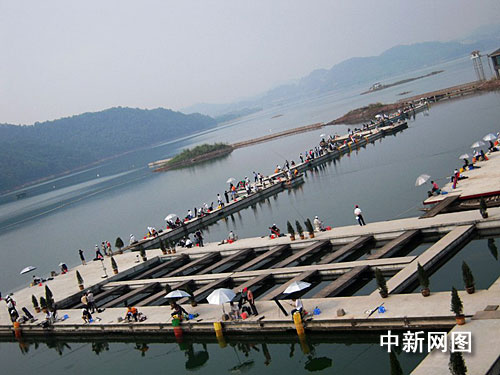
column 454, row 226
column 332, row 262
column 481, row 182
column 273, row 184
column 347, row 250
column 429, row 258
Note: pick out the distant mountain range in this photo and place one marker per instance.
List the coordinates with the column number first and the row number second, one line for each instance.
column 364, row 70
column 32, row 152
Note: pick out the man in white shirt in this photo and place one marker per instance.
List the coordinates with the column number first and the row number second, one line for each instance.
column 132, row 239
column 298, row 306
column 318, row 225
column 359, row 216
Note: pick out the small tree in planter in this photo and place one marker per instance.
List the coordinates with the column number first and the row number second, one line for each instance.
column 43, row 304
column 290, row 231
column 48, row 294
column 163, row 248
column 143, row 253
column 381, row 284
column 468, row 278
column 79, row 279
column 114, row 266
column 309, row 227
column 49, row 298
column 300, row 231
column 36, row 306
column 119, row 244
column 192, row 300
column 169, row 246
column 457, row 364
column 493, row 248
column 457, row 307
column 483, row 208
column 423, row 280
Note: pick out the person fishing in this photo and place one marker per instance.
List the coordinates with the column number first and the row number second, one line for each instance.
column 275, row 230
column 247, row 295
column 179, row 311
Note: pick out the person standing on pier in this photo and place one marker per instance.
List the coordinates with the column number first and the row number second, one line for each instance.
column 255, row 177
column 435, row 188
column 359, row 216
column 219, row 201
column 247, row 295
column 226, row 196
column 132, row 239
column 199, row 238
column 98, row 254
column 91, row 302
column 82, row 257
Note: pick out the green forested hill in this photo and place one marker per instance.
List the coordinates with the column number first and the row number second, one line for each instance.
column 31, row 152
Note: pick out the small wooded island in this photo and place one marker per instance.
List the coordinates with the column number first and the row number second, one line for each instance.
column 195, row 155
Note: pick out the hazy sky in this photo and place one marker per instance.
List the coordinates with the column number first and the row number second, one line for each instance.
column 60, row 58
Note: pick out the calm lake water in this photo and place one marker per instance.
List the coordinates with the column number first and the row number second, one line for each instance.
column 122, row 196
column 346, row 354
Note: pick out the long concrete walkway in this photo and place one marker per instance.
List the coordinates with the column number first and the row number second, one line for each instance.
column 64, row 286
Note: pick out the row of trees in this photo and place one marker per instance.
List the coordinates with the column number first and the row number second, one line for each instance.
column 300, row 231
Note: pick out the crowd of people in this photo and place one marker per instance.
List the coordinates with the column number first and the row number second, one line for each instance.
column 456, row 176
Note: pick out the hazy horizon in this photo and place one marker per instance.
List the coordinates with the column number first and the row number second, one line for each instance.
column 62, row 59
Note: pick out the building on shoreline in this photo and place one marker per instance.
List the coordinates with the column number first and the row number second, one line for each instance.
column 495, row 59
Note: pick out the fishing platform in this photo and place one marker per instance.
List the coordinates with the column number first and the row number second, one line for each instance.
column 335, row 263
column 275, row 183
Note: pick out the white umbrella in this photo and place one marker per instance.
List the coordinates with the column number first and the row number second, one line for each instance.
column 322, row 135
column 231, row 180
column 378, row 116
column 477, row 144
column 489, row 137
column 422, row 179
column 27, row 269
column 220, row 296
column 177, row 294
column 296, row 286
column 171, row 217
column 464, row 156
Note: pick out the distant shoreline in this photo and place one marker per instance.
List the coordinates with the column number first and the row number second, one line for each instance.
column 382, row 87
column 353, row 117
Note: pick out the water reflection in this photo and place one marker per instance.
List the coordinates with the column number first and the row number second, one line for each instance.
column 57, row 345
column 493, row 248
column 263, row 354
column 318, row 364
column 196, row 359
column 395, row 365
column 99, row 347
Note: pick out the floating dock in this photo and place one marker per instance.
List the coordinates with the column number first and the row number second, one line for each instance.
column 272, row 185
column 483, row 182
column 267, row 266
